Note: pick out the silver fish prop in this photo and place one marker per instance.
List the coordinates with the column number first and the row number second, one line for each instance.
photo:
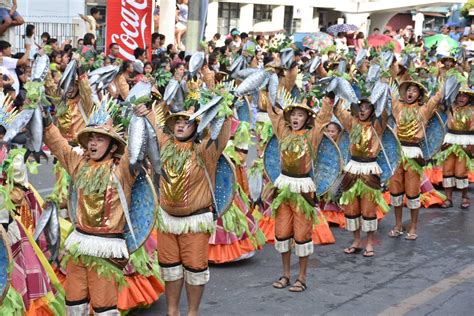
column 286, row 56
column 242, row 74
column 273, row 89
column 240, row 63
column 387, row 58
column 255, row 179
column 153, row 154
column 196, row 62
column 101, row 78
column 18, row 124
column 315, row 63
column 48, row 223
column 35, row 131
column 361, row 56
column 141, row 91
column 207, row 119
column 252, row 83
column 451, row 90
column 381, row 98
column 342, row 67
column 68, row 78
column 343, row 89
column 137, row 139
column 373, row 74
column 40, row 68
column 215, row 128
column 214, row 102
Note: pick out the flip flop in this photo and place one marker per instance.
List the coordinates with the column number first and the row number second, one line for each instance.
column 281, row 285
column 301, row 287
column 410, row 236
column 368, row 253
column 352, row 250
column 395, row 233
column 465, row 205
column 447, row 204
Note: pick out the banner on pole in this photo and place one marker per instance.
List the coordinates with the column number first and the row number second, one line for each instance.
column 129, row 24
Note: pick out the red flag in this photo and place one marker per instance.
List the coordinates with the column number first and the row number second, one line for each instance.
column 129, row 24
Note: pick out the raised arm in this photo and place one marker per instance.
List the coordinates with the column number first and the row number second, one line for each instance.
column 222, row 140
column 60, row 148
column 85, row 92
column 431, row 106
column 343, row 116
column 324, row 115
column 278, row 121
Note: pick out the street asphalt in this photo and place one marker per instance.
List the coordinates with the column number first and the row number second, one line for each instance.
column 433, row 275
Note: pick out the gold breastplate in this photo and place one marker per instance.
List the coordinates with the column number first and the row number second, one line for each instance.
column 408, row 124
column 462, row 118
column 294, row 154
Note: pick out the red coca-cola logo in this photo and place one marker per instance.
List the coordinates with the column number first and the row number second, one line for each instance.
column 129, row 25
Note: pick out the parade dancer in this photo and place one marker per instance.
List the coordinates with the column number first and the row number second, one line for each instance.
column 459, row 140
column 96, row 250
column 186, row 208
column 411, row 115
column 361, row 183
column 299, row 131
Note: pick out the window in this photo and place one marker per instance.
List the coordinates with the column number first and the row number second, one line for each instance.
column 229, row 14
column 262, row 13
column 290, row 25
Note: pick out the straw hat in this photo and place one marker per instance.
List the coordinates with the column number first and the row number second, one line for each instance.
column 404, row 87
column 105, row 129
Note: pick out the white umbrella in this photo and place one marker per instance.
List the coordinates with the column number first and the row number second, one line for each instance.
column 266, row 28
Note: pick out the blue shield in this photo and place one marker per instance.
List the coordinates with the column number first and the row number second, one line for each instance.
column 392, row 157
column 434, row 137
column 244, row 114
column 5, row 259
column 344, row 144
column 225, row 184
column 143, row 207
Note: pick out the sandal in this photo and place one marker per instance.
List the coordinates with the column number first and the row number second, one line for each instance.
column 298, row 286
column 465, row 203
column 281, row 285
column 411, row 236
column 395, row 233
column 447, row 204
column 368, row 253
column 352, row 250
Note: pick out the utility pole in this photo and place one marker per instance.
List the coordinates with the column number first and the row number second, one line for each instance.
column 193, row 32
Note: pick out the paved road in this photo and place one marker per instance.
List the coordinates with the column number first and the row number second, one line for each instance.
column 433, row 275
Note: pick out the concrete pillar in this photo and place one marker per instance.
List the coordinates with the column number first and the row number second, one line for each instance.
column 212, row 19
column 316, row 19
column 307, row 22
column 167, row 20
column 246, row 18
column 193, row 27
column 278, row 16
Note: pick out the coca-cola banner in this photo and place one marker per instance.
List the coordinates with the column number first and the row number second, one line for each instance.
column 129, row 24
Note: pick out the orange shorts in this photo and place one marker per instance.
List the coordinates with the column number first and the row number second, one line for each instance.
column 184, row 255
column 83, row 284
column 455, row 173
column 405, row 182
column 292, row 224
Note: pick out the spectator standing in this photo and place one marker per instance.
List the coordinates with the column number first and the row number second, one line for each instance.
column 92, row 20
column 181, row 25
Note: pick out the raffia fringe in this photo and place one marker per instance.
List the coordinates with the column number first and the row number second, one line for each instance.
column 97, row 246
column 365, row 168
column 412, row 152
column 296, row 185
column 462, row 140
column 201, row 223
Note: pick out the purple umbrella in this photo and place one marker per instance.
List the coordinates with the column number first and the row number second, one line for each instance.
column 334, row 29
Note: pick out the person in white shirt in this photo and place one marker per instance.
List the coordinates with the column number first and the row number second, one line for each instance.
column 12, row 63
column 91, row 21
